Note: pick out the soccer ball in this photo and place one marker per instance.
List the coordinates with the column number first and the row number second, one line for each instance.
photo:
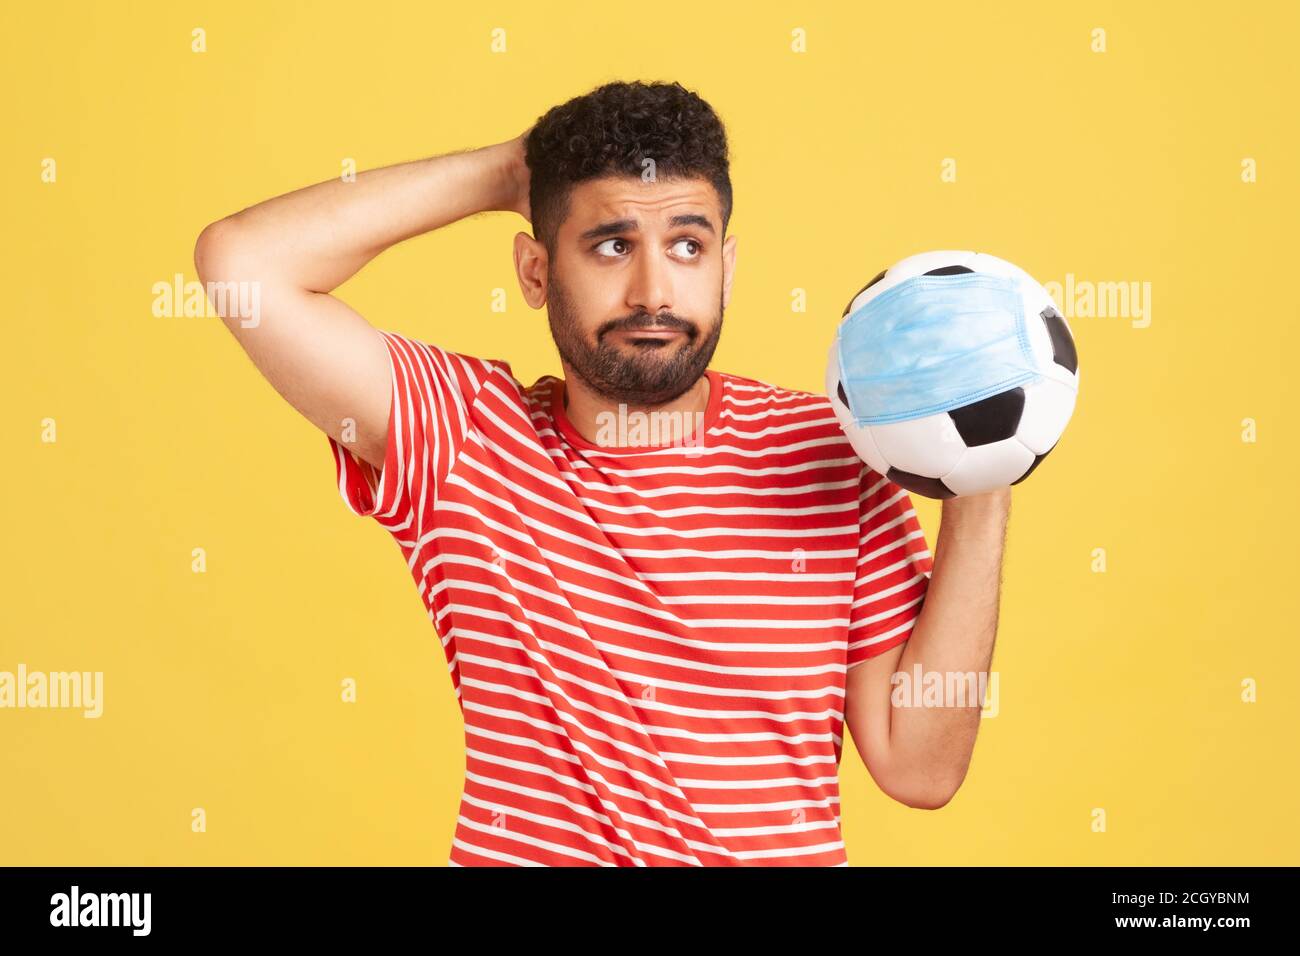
column 985, row 445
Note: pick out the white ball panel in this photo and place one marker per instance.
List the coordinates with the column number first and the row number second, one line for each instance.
column 1048, row 407
column 929, row 446
column 988, row 467
column 983, row 262
column 1061, row 374
column 865, row 447
column 833, row 369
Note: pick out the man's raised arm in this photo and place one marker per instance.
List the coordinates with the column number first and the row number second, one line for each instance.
column 316, row 351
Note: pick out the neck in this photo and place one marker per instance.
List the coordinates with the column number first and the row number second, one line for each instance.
column 610, row 423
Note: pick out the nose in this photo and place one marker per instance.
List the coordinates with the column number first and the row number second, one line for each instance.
column 651, row 285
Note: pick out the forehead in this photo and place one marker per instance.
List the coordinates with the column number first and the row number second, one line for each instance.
column 652, row 204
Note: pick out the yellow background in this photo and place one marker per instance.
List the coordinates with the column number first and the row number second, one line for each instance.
column 1119, row 690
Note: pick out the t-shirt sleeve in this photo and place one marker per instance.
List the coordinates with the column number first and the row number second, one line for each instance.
column 433, row 391
column 893, row 569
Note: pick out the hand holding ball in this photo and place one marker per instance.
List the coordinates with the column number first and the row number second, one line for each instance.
column 953, row 373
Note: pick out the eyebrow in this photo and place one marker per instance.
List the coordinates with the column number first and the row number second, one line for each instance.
column 617, row 226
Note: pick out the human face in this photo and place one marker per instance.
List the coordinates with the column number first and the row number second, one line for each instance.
column 638, row 286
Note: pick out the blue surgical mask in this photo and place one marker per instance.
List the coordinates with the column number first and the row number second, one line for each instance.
column 934, row 343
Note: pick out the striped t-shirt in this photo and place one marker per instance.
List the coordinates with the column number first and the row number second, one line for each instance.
column 648, row 645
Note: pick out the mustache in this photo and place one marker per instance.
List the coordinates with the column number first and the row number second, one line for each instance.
column 656, row 322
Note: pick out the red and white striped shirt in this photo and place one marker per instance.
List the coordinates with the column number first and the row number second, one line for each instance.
column 648, row 645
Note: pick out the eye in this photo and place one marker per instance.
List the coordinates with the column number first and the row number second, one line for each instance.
column 693, row 242
column 607, row 242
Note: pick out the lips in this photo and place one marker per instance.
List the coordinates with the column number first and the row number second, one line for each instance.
column 652, row 333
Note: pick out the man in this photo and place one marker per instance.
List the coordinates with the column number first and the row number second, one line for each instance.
column 655, row 644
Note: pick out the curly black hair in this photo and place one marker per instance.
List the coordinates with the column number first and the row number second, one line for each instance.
column 610, row 131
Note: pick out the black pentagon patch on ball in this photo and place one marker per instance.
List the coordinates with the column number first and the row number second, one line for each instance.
column 921, row 485
column 839, row 388
column 1062, row 344
column 1030, row 469
column 949, row 271
column 862, row 290
column 990, row 419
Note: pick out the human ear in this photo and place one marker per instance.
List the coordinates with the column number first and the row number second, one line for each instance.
column 728, row 268
column 530, row 266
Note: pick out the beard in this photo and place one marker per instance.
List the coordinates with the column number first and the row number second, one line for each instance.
column 646, row 374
